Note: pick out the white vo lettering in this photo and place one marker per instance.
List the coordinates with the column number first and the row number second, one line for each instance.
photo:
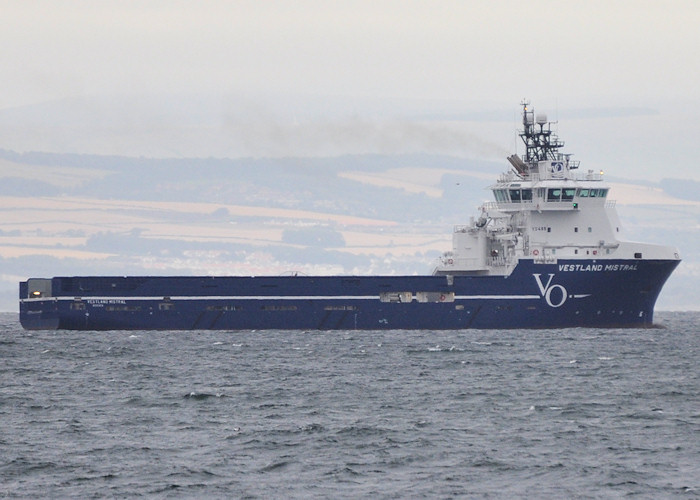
column 546, row 290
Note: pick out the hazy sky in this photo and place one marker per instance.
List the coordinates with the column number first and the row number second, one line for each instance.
column 634, row 51
column 491, row 53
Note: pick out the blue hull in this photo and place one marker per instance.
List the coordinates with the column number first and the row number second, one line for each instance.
column 603, row 293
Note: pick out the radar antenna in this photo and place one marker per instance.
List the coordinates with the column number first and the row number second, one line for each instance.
column 540, row 142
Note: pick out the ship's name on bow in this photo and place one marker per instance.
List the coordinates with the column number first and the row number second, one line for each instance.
column 597, row 267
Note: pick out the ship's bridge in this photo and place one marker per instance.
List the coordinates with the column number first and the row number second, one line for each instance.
column 548, row 190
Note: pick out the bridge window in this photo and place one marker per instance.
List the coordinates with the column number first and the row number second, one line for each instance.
column 527, row 194
column 568, row 194
column 500, row 195
column 583, row 193
column 554, row 194
column 515, row 195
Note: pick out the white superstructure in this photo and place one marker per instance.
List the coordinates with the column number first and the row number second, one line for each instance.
column 544, row 210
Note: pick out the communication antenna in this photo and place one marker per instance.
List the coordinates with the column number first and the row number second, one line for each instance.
column 515, row 132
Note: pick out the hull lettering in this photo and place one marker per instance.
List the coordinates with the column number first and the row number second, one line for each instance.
column 559, row 297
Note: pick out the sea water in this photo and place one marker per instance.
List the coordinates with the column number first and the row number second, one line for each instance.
column 352, row 414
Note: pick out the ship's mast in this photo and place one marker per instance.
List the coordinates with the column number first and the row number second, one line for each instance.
column 540, row 142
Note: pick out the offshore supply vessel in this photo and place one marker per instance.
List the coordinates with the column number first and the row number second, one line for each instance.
column 546, row 253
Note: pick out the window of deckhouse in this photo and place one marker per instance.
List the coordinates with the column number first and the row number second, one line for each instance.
column 554, row 194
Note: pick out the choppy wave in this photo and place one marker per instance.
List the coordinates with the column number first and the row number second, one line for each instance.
column 498, row 414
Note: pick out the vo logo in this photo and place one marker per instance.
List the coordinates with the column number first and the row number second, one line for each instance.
column 559, row 295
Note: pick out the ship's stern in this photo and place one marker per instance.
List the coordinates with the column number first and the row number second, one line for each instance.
column 38, row 309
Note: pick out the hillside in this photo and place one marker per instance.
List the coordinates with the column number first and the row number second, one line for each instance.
column 363, row 214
